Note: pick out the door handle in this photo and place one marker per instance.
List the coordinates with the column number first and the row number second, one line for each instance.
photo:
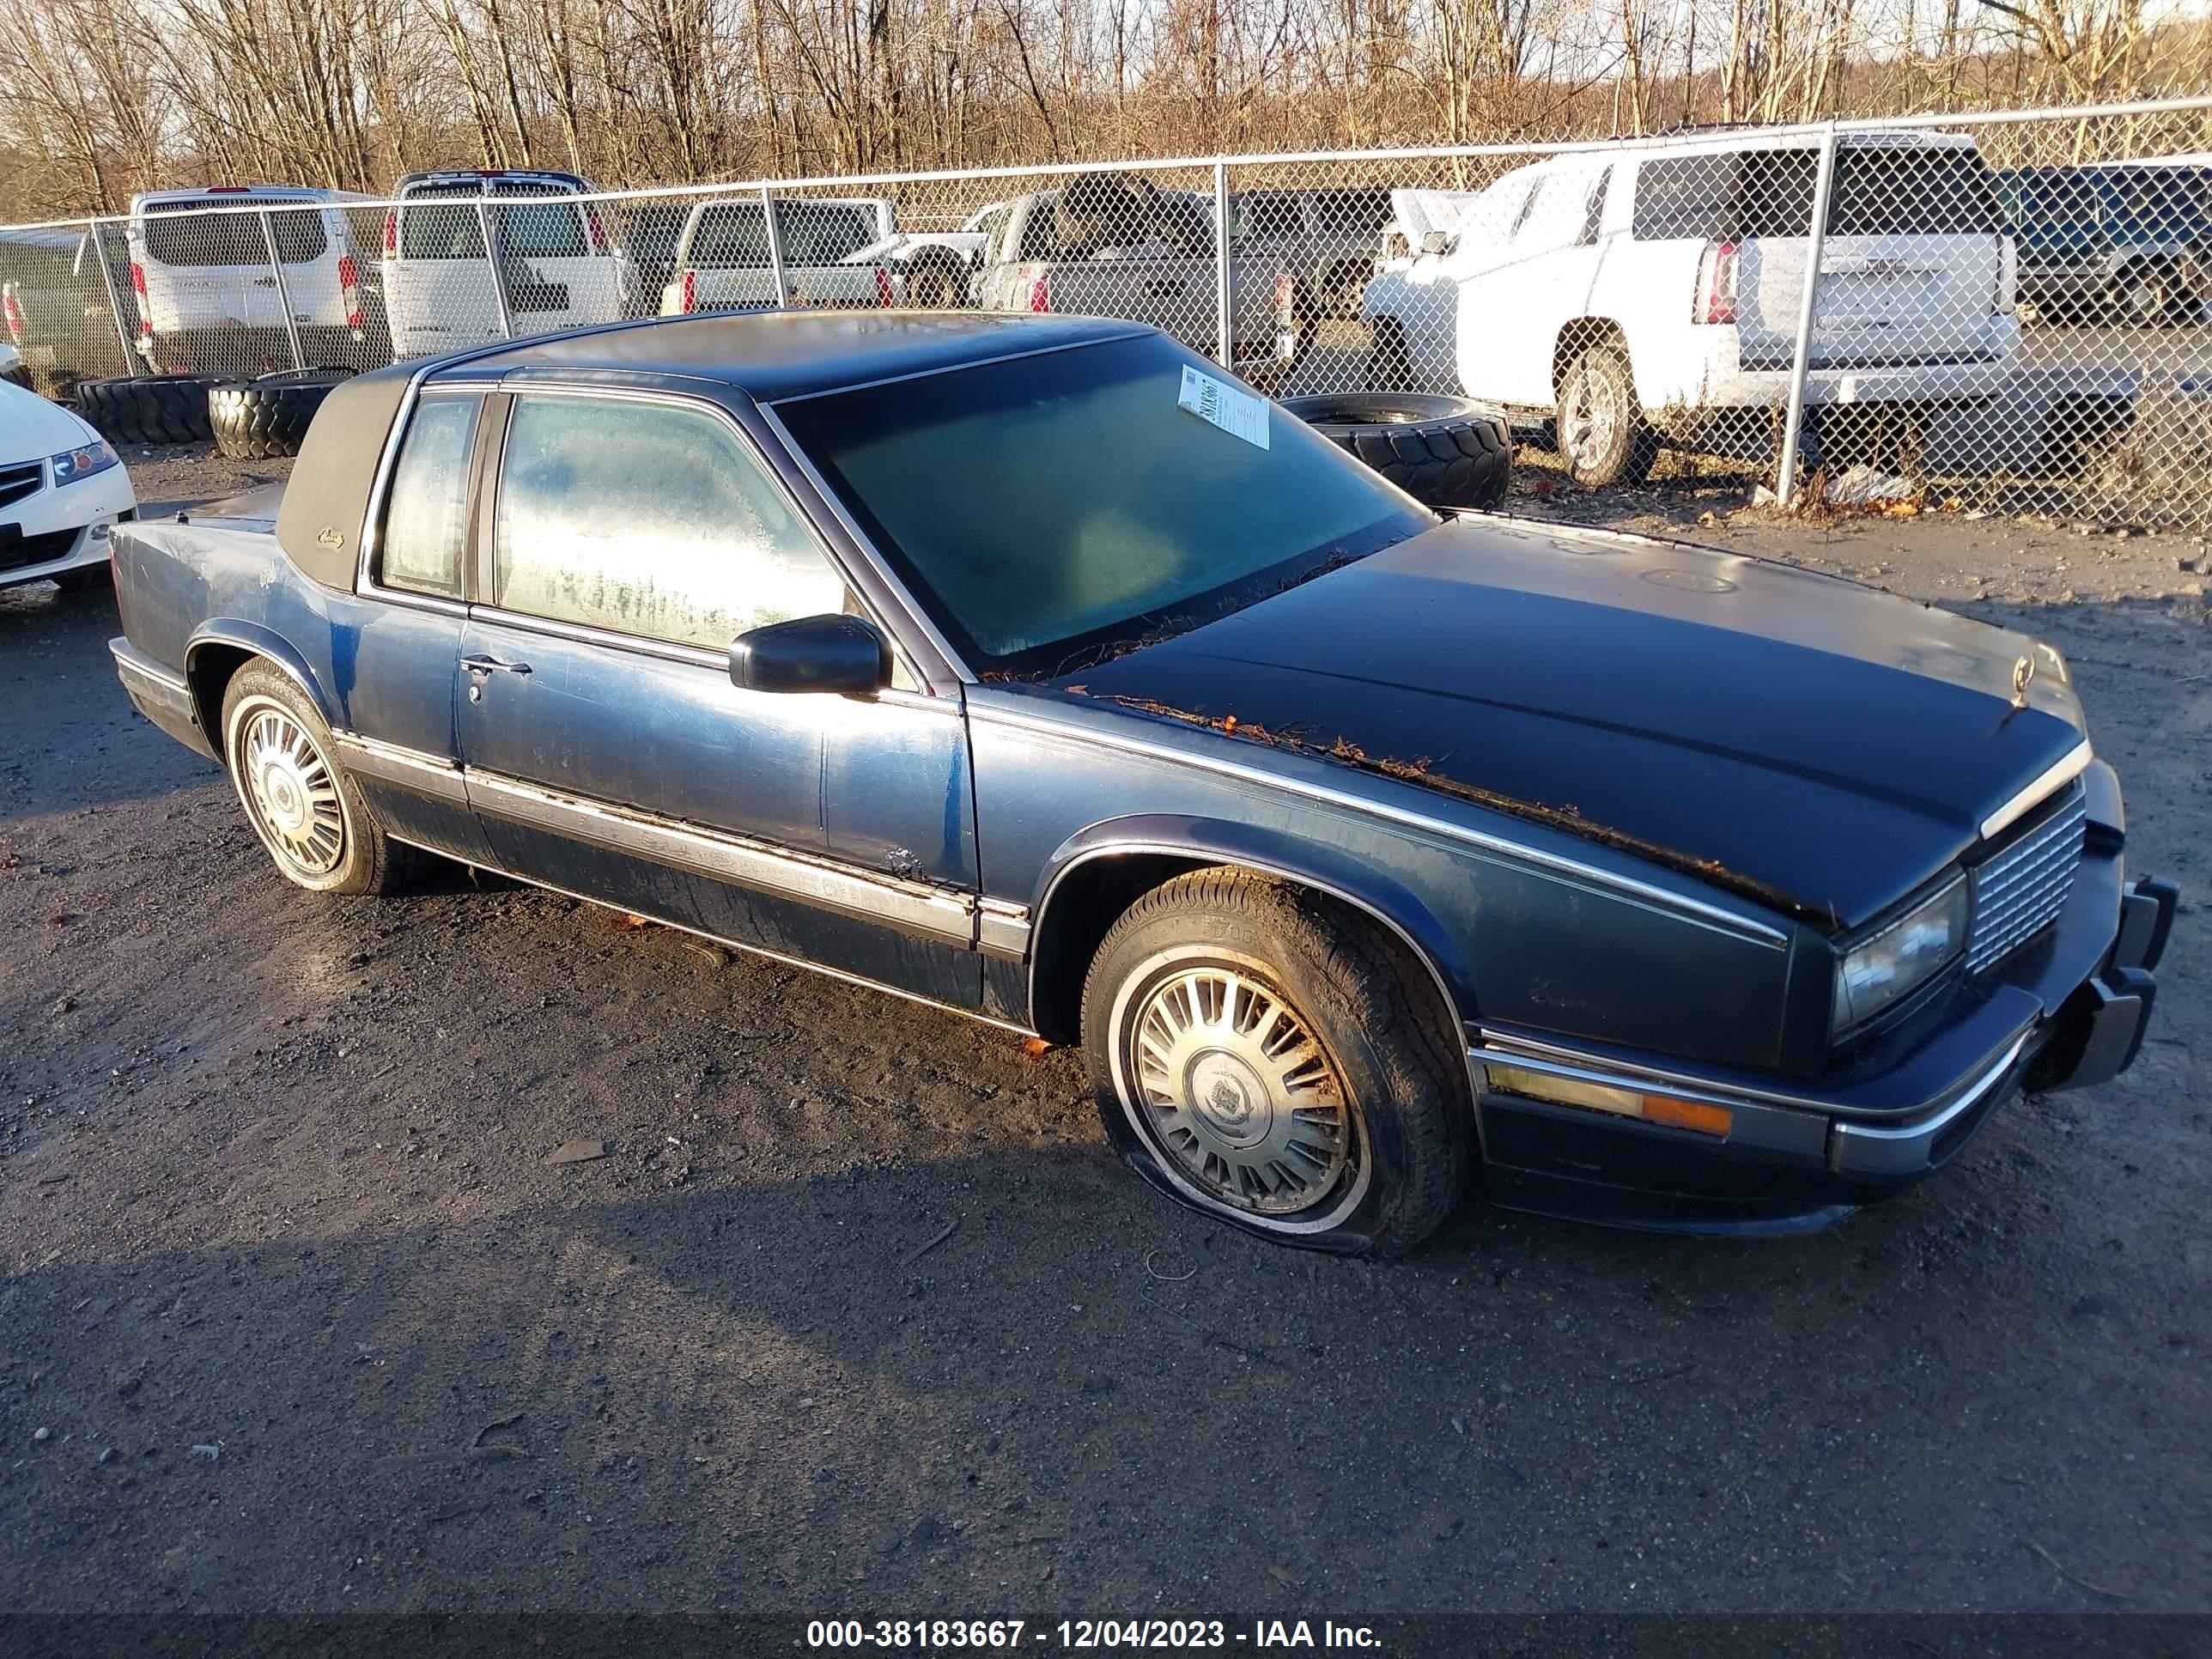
column 480, row 666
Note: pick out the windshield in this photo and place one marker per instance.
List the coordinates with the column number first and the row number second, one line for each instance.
column 1048, row 509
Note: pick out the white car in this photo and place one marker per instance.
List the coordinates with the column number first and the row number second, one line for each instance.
column 1650, row 292
column 62, row 488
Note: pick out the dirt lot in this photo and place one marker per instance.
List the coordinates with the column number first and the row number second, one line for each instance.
column 859, row 1317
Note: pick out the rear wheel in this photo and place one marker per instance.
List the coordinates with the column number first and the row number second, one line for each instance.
column 1602, row 436
column 1272, row 1059
column 310, row 817
column 932, row 288
column 2145, row 297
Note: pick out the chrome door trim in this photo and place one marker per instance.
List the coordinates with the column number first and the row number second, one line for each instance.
column 999, row 927
column 735, row 945
column 1002, row 929
column 914, row 907
column 428, row 774
column 1550, row 864
column 697, row 656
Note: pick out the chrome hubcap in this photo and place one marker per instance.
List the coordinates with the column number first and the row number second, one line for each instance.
column 1238, row 1090
column 292, row 794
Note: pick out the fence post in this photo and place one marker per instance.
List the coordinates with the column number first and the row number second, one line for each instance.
column 1224, row 330
column 97, row 241
column 775, row 248
column 498, row 276
column 1793, row 424
column 283, row 291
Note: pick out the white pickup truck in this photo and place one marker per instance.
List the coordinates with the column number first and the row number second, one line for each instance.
column 839, row 251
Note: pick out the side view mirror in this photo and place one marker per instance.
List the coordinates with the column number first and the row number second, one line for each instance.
column 838, row 655
column 1435, row 241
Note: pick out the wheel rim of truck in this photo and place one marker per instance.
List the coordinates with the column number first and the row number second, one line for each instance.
column 1589, row 429
column 293, row 792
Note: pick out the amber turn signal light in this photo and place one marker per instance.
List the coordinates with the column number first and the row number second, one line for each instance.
column 1605, row 1098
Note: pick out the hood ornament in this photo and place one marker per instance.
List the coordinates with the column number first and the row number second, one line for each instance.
column 2023, row 671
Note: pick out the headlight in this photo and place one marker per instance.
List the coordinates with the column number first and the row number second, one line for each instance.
column 82, row 462
column 1876, row 972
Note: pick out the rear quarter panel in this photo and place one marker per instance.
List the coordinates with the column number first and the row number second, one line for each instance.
column 182, row 588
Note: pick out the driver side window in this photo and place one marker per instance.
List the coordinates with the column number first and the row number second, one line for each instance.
column 649, row 520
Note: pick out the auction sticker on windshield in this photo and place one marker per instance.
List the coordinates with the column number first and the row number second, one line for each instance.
column 1236, row 412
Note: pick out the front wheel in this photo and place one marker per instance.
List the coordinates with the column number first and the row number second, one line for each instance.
column 308, row 813
column 1272, row 1059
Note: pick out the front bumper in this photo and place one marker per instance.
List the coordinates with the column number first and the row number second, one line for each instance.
column 62, row 528
column 1792, row 1160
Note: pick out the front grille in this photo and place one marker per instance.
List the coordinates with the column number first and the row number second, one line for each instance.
column 17, row 482
column 18, row 551
column 2020, row 888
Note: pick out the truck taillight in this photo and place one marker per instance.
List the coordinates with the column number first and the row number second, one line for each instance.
column 15, row 315
column 145, row 311
column 1286, row 299
column 598, row 231
column 1716, row 296
column 690, row 291
column 1040, row 294
column 350, row 288
column 2008, row 297
column 883, row 295
column 391, row 232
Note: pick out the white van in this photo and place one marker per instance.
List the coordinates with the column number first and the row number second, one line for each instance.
column 1649, row 293
column 556, row 260
column 207, row 297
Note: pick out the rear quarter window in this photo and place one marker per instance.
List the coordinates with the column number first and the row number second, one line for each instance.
column 426, row 519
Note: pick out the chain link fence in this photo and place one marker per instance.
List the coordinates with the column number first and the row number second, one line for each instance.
column 2002, row 312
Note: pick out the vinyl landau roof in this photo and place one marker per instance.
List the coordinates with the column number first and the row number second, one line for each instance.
column 773, row 354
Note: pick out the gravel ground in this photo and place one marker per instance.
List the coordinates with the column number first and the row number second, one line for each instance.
column 859, row 1316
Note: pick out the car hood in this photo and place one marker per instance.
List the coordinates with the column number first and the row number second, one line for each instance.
column 1822, row 745
column 32, row 428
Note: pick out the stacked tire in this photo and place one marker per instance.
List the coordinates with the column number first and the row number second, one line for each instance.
column 260, row 419
column 18, row 373
column 1445, row 451
column 150, row 409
